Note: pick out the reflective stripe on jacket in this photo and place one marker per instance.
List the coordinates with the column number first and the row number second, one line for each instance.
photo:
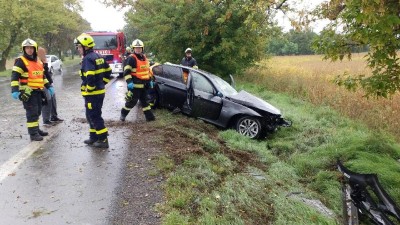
column 95, row 73
column 142, row 68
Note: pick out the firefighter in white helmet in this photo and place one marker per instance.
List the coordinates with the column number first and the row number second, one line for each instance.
column 188, row 60
column 28, row 78
column 138, row 78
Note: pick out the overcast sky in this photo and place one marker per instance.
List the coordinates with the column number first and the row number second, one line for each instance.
column 102, row 18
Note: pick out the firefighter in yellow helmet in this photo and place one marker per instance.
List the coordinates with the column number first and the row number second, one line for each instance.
column 28, row 79
column 95, row 74
column 138, row 78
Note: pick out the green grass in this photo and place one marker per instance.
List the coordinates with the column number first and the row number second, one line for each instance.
column 235, row 180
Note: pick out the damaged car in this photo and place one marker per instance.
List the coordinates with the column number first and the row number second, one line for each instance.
column 208, row 97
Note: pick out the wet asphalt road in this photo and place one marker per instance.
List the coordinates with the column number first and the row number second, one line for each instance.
column 60, row 180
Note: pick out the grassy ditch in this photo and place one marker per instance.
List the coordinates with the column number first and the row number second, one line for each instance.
column 220, row 177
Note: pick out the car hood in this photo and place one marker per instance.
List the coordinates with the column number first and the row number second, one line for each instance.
column 247, row 99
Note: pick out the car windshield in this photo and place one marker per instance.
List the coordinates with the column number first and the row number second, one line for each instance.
column 105, row 41
column 224, row 87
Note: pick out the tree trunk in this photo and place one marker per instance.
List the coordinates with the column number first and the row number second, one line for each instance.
column 2, row 63
column 11, row 43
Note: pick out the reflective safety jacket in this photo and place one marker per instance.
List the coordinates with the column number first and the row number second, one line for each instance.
column 95, row 74
column 137, row 67
column 28, row 72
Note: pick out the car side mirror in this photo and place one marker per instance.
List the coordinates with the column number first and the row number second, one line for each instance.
column 219, row 94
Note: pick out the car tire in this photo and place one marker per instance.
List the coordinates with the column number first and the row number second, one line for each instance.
column 249, row 126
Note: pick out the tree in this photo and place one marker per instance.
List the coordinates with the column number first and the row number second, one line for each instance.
column 303, row 39
column 226, row 36
column 355, row 23
column 33, row 18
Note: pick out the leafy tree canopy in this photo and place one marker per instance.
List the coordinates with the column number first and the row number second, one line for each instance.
column 35, row 19
column 375, row 23
column 226, row 36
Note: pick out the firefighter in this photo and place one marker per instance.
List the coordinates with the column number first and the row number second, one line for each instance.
column 188, row 61
column 128, row 52
column 95, row 74
column 27, row 82
column 138, row 78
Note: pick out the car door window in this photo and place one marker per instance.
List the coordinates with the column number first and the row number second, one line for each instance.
column 173, row 73
column 201, row 83
column 157, row 70
column 53, row 59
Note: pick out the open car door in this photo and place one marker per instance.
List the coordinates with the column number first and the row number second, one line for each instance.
column 202, row 99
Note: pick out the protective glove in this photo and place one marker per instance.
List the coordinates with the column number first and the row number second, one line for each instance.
column 128, row 96
column 151, row 84
column 15, row 95
column 51, row 91
column 25, row 96
column 130, row 86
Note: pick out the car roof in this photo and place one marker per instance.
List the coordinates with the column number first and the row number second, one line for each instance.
column 191, row 68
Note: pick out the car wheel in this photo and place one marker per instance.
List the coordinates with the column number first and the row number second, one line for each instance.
column 60, row 69
column 249, row 126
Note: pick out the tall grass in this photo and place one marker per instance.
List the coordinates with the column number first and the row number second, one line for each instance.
column 311, row 79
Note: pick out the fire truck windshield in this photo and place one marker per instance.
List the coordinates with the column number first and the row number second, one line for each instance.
column 105, row 41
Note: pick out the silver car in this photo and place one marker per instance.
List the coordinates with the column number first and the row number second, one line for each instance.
column 55, row 64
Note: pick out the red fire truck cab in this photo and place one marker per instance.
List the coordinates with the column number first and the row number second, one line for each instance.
column 112, row 46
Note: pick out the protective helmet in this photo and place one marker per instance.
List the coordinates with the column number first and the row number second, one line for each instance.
column 85, row 40
column 29, row 42
column 188, row 50
column 137, row 44
column 128, row 49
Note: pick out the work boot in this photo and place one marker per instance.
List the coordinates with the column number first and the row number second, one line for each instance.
column 101, row 143
column 43, row 133
column 122, row 117
column 36, row 137
column 149, row 115
column 89, row 141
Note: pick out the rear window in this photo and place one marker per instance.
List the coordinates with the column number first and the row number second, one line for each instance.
column 172, row 73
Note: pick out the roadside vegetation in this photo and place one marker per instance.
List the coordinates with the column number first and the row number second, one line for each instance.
column 67, row 61
column 313, row 80
column 220, row 177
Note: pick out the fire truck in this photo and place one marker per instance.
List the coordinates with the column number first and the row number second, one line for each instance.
column 112, row 46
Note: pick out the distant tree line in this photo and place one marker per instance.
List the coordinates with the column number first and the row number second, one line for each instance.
column 298, row 43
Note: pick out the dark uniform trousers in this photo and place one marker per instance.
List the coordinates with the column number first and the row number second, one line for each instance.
column 33, row 108
column 93, row 105
column 139, row 92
